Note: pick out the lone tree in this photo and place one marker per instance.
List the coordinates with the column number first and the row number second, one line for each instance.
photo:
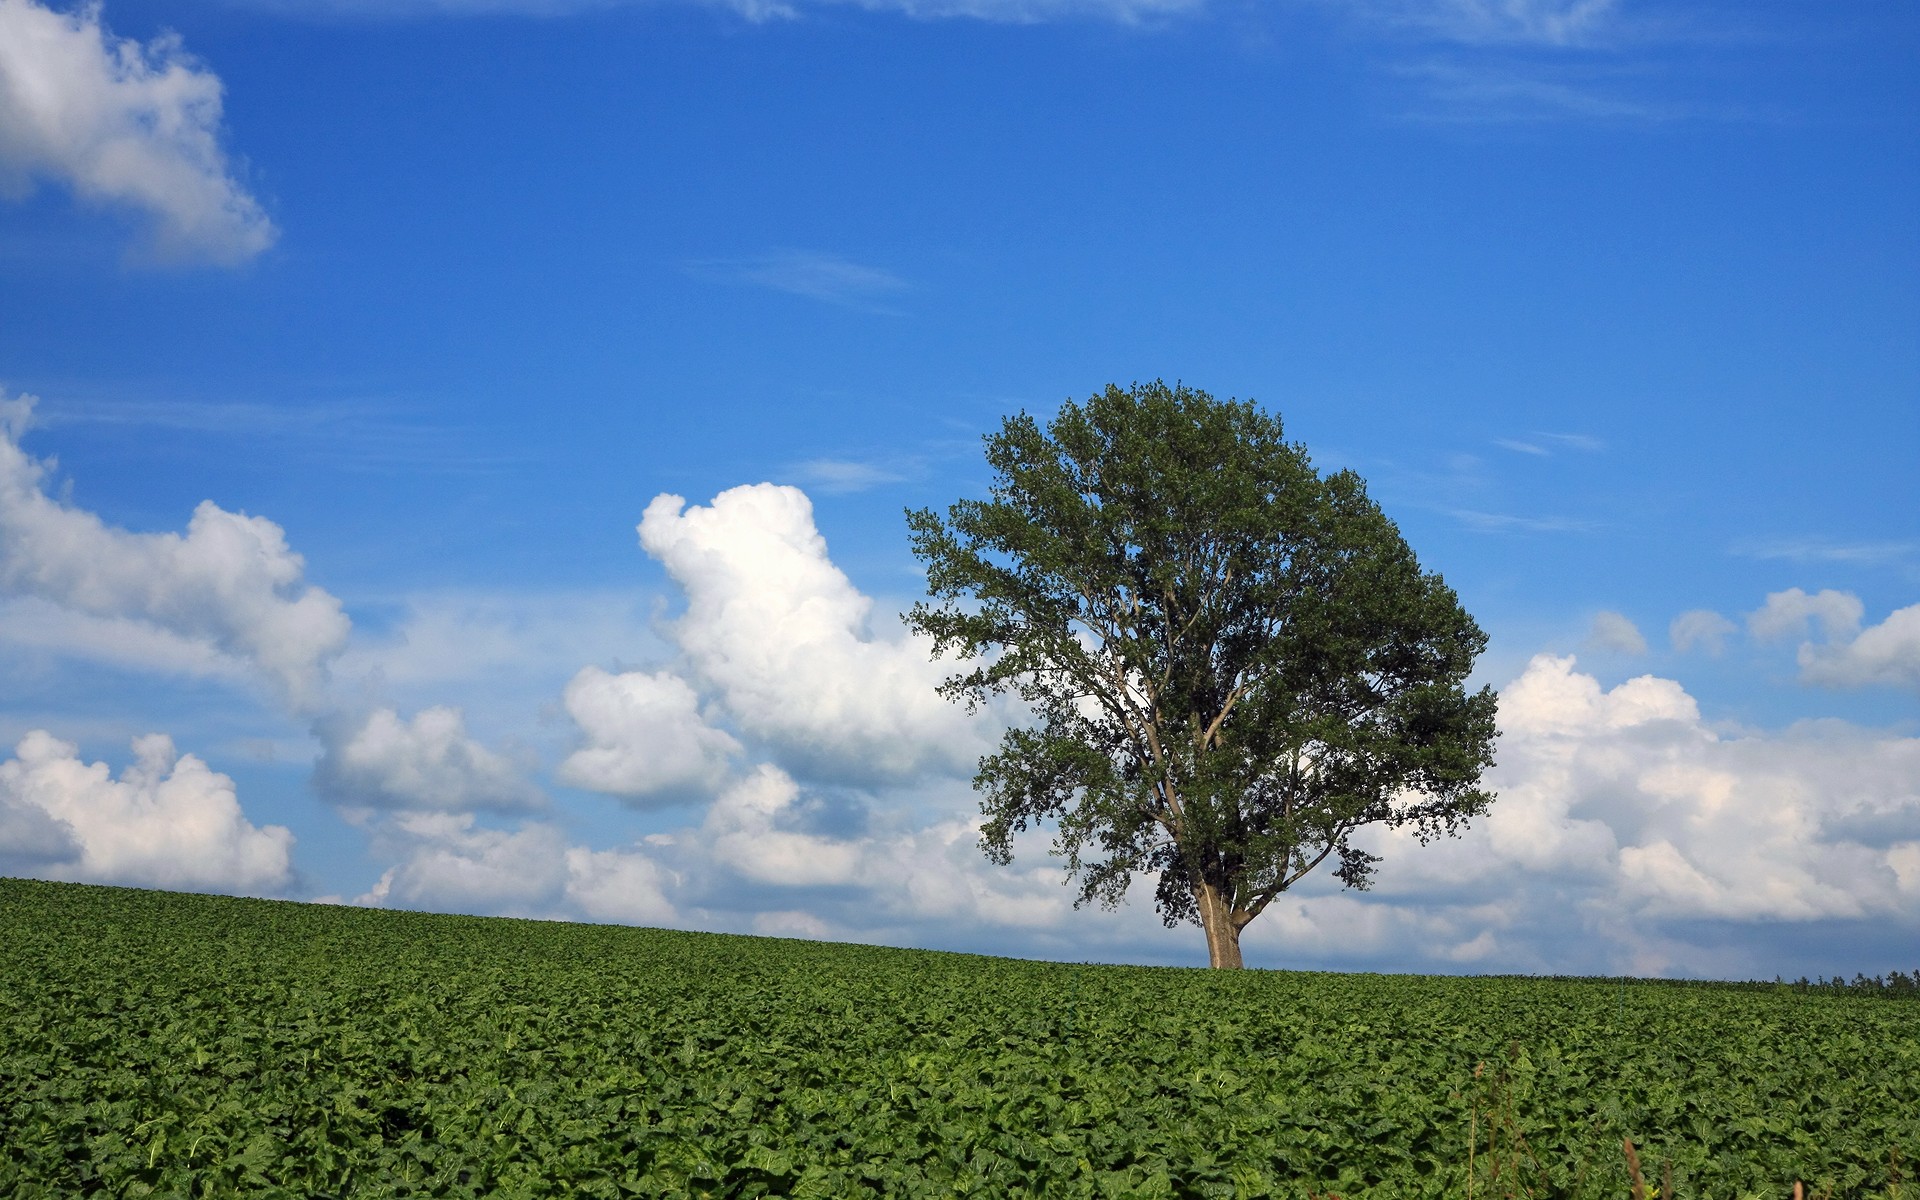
column 1234, row 664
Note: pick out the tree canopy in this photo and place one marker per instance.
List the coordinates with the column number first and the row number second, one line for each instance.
column 1233, row 664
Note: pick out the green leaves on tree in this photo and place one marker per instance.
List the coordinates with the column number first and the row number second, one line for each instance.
column 1233, row 663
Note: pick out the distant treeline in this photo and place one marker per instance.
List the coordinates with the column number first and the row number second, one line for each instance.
column 1897, row 985
column 1894, row 983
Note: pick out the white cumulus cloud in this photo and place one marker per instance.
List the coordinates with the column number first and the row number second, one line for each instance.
column 168, row 820
column 493, row 642
column 626, row 887
column 781, row 634
column 122, row 124
column 230, row 584
column 744, row 831
column 1623, row 818
column 448, row 862
column 1701, row 627
column 762, row 859
column 643, row 736
column 1698, row 829
column 429, row 763
column 31, row 837
column 914, row 869
column 1551, row 698
column 1631, row 833
column 1617, row 633
column 1886, row 654
column 1786, row 614
column 43, row 628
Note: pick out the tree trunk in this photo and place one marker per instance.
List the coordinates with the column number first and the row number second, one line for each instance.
column 1223, row 936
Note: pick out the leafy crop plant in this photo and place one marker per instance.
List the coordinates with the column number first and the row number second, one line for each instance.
column 163, row 1045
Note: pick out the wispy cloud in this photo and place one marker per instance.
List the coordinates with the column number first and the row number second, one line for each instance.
column 1459, row 61
column 358, row 435
column 1488, row 522
column 1505, row 22
column 1475, row 22
column 840, row 475
column 1827, row 550
column 1472, row 90
column 1033, row 12
column 1544, row 444
column 817, row 276
column 1521, row 447
column 1012, row 12
column 1573, row 441
column 193, row 416
column 1519, row 62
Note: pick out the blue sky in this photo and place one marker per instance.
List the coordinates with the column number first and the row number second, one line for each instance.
column 1616, row 305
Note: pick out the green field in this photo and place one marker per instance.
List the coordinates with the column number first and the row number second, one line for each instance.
column 172, row 1045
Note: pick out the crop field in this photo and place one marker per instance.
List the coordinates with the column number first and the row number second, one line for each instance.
column 156, row 1044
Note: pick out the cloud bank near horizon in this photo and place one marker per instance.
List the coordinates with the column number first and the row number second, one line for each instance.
column 805, row 780
column 167, row 821
column 1625, row 818
column 1627, row 823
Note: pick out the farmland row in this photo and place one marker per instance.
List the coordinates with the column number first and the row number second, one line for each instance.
column 172, row 1045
